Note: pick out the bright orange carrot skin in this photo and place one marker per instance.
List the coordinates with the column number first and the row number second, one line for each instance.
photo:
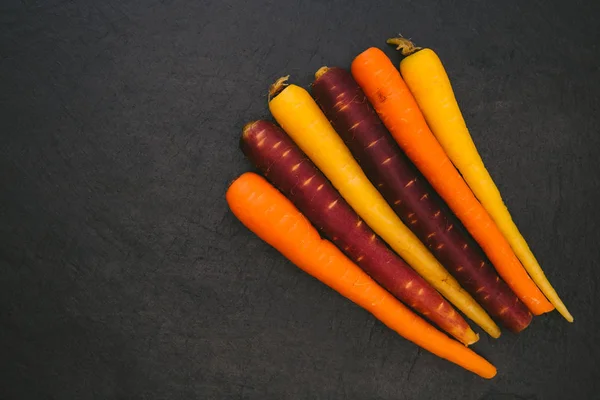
column 287, row 167
column 301, row 118
column 267, row 213
column 428, row 81
column 397, row 108
column 412, row 198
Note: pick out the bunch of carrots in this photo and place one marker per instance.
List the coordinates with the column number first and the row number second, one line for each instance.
column 375, row 187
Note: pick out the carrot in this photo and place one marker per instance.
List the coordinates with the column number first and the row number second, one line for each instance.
column 301, row 118
column 267, row 213
column 286, row 166
column 426, row 78
column 412, row 198
column 400, row 113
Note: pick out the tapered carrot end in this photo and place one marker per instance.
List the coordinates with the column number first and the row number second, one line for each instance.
column 552, row 296
column 489, row 373
column 565, row 313
column 321, row 71
column 495, row 333
column 278, row 86
column 405, row 46
column 471, row 338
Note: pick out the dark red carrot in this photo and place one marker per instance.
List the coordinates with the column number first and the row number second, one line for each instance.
column 273, row 218
column 400, row 113
column 287, row 167
column 411, row 197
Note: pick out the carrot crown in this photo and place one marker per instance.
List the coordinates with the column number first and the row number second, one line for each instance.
column 278, row 86
column 405, row 46
column 321, row 71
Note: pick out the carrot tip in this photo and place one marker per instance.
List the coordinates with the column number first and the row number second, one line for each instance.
column 405, row 46
column 278, row 86
column 321, row 71
column 491, row 374
column 474, row 338
column 561, row 308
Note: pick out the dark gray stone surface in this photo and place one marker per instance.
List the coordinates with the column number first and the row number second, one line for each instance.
column 123, row 274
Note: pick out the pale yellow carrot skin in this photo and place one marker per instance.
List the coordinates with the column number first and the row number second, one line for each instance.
column 299, row 115
column 427, row 79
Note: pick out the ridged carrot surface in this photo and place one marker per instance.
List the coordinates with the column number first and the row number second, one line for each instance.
column 267, row 213
column 398, row 110
column 288, row 168
column 301, row 118
column 428, row 81
column 412, row 198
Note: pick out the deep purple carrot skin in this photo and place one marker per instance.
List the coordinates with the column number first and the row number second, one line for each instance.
column 288, row 168
column 411, row 196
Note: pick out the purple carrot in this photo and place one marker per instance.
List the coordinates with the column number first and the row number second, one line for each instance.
column 288, row 168
column 411, row 196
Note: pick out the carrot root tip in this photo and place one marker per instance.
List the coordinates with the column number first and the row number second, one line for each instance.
column 569, row 318
column 473, row 340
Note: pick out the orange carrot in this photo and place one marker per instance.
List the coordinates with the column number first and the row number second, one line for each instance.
column 267, row 213
column 400, row 113
column 425, row 76
column 308, row 189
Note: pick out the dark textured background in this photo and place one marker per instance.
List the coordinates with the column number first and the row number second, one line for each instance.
column 124, row 276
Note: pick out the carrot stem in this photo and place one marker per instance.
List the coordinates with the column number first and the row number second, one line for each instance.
column 278, row 86
column 405, row 46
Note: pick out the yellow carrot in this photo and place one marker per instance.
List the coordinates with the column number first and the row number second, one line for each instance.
column 398, row 109
column 299, row 115
column 267, row 213
column 426, row 78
